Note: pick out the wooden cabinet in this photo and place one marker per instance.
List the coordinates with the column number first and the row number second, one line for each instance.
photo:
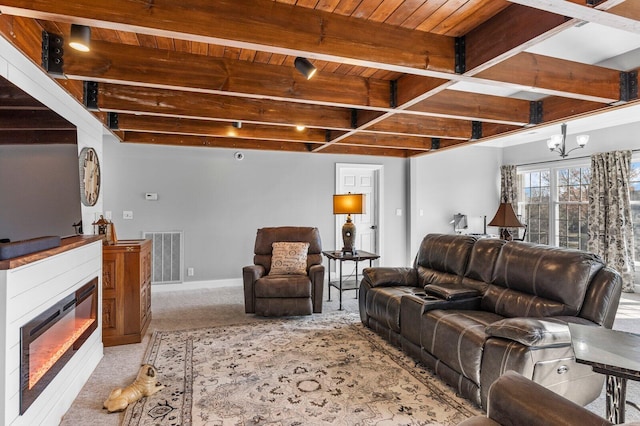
column 126, row 291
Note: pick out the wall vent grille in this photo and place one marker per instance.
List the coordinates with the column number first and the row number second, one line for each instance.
column 167, row 258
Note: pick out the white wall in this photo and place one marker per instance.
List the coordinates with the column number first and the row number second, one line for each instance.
column 462, row 180
column 219, row 202
column 626, row 136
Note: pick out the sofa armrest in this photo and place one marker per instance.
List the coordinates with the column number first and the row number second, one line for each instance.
column 387, row 276
column 250, row 274
column 534, row 332
column 316, row 275
column 514, row 399
column 449, row 291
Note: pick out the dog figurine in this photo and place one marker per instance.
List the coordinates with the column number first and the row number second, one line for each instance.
column 145, row 384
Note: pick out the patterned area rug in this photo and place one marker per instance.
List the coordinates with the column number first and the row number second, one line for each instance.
column 325, row 369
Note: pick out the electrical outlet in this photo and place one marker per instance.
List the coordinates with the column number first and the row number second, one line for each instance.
column 190, row 272
column 127, row 214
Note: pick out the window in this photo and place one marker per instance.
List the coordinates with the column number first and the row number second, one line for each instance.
column 534, row 210
column 554, row 205
column 572, row 207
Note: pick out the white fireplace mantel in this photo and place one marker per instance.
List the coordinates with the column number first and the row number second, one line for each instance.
column 28, row 286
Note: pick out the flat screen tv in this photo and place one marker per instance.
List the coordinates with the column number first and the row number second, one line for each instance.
column 39, row 178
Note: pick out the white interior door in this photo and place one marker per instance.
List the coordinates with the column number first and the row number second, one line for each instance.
column 361, row 179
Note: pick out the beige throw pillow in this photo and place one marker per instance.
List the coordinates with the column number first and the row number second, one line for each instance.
column 289, row 258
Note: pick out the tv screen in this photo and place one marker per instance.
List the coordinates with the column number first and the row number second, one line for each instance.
column 39, row 177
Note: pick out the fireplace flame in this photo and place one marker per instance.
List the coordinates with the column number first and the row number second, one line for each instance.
column 45, row 351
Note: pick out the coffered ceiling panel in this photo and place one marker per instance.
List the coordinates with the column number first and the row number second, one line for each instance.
column 394, row 77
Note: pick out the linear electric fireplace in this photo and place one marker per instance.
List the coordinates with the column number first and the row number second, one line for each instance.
column 49, row 340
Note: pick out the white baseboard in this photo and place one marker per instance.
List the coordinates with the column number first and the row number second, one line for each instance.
column 194, row 285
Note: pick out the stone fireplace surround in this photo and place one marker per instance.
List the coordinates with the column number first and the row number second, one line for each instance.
column 28, row 286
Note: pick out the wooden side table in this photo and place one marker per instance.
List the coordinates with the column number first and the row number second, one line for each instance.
column 339, row 258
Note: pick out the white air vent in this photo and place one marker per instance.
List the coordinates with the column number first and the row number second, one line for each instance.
column 167, row 256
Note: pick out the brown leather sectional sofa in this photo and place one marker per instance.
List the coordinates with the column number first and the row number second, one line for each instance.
column 516, row 400
column 471, row 309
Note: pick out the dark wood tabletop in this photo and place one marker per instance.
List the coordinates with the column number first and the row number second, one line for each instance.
column 358, row 256
column 607, row 351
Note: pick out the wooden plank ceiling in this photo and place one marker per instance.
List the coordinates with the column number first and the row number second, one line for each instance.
column 187, row 72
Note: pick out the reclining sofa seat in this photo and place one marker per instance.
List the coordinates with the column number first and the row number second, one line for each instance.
column 472, row 309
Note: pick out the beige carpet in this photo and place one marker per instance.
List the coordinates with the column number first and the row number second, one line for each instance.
column 326, row 369
column 213, row 307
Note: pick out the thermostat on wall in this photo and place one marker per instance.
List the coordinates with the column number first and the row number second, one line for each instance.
column 151, row 196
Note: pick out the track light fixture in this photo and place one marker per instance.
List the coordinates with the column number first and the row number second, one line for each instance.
column 80, row 38
column 237, row 124
column 557, row 142
column 305, row 67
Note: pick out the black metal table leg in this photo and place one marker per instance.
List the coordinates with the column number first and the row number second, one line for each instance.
column 616, row 399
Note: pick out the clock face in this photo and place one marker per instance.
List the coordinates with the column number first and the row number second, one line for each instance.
column 89, row 176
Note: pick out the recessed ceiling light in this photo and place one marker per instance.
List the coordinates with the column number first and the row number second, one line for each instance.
column 300, row 127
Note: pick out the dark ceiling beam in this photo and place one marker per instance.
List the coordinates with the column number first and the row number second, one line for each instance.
column 38, row 137
column 33, row 120
column 507, row 34
column 338, row 148
column 307, row 32
column 628, row 9
column 193, row 127
column 213, row 142
column 172, row 103
column 579, row 10
column 475, row 106
column 388, row 141
column 25, row 34
column 558, row 108
column 425, row 126
column 13, row 98
column 411, row 88
column 141, row 66
column 504, row 36
column 556, row 77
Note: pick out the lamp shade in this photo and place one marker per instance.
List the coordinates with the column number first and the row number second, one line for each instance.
column 505, row 217
column 348, row 204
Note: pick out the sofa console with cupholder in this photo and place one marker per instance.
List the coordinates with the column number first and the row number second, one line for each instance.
column 471, row 309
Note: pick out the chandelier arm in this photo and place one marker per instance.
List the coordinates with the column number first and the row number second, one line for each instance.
column 573, row 149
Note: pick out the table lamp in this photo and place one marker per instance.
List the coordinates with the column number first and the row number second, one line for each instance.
column 506, row 218
column 348, row 204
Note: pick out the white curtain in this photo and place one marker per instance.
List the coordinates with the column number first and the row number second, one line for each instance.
column 610, row 227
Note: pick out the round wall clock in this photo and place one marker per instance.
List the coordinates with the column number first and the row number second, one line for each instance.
column 89, row 176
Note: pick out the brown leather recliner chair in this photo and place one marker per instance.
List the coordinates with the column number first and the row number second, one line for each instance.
column 283, row 295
